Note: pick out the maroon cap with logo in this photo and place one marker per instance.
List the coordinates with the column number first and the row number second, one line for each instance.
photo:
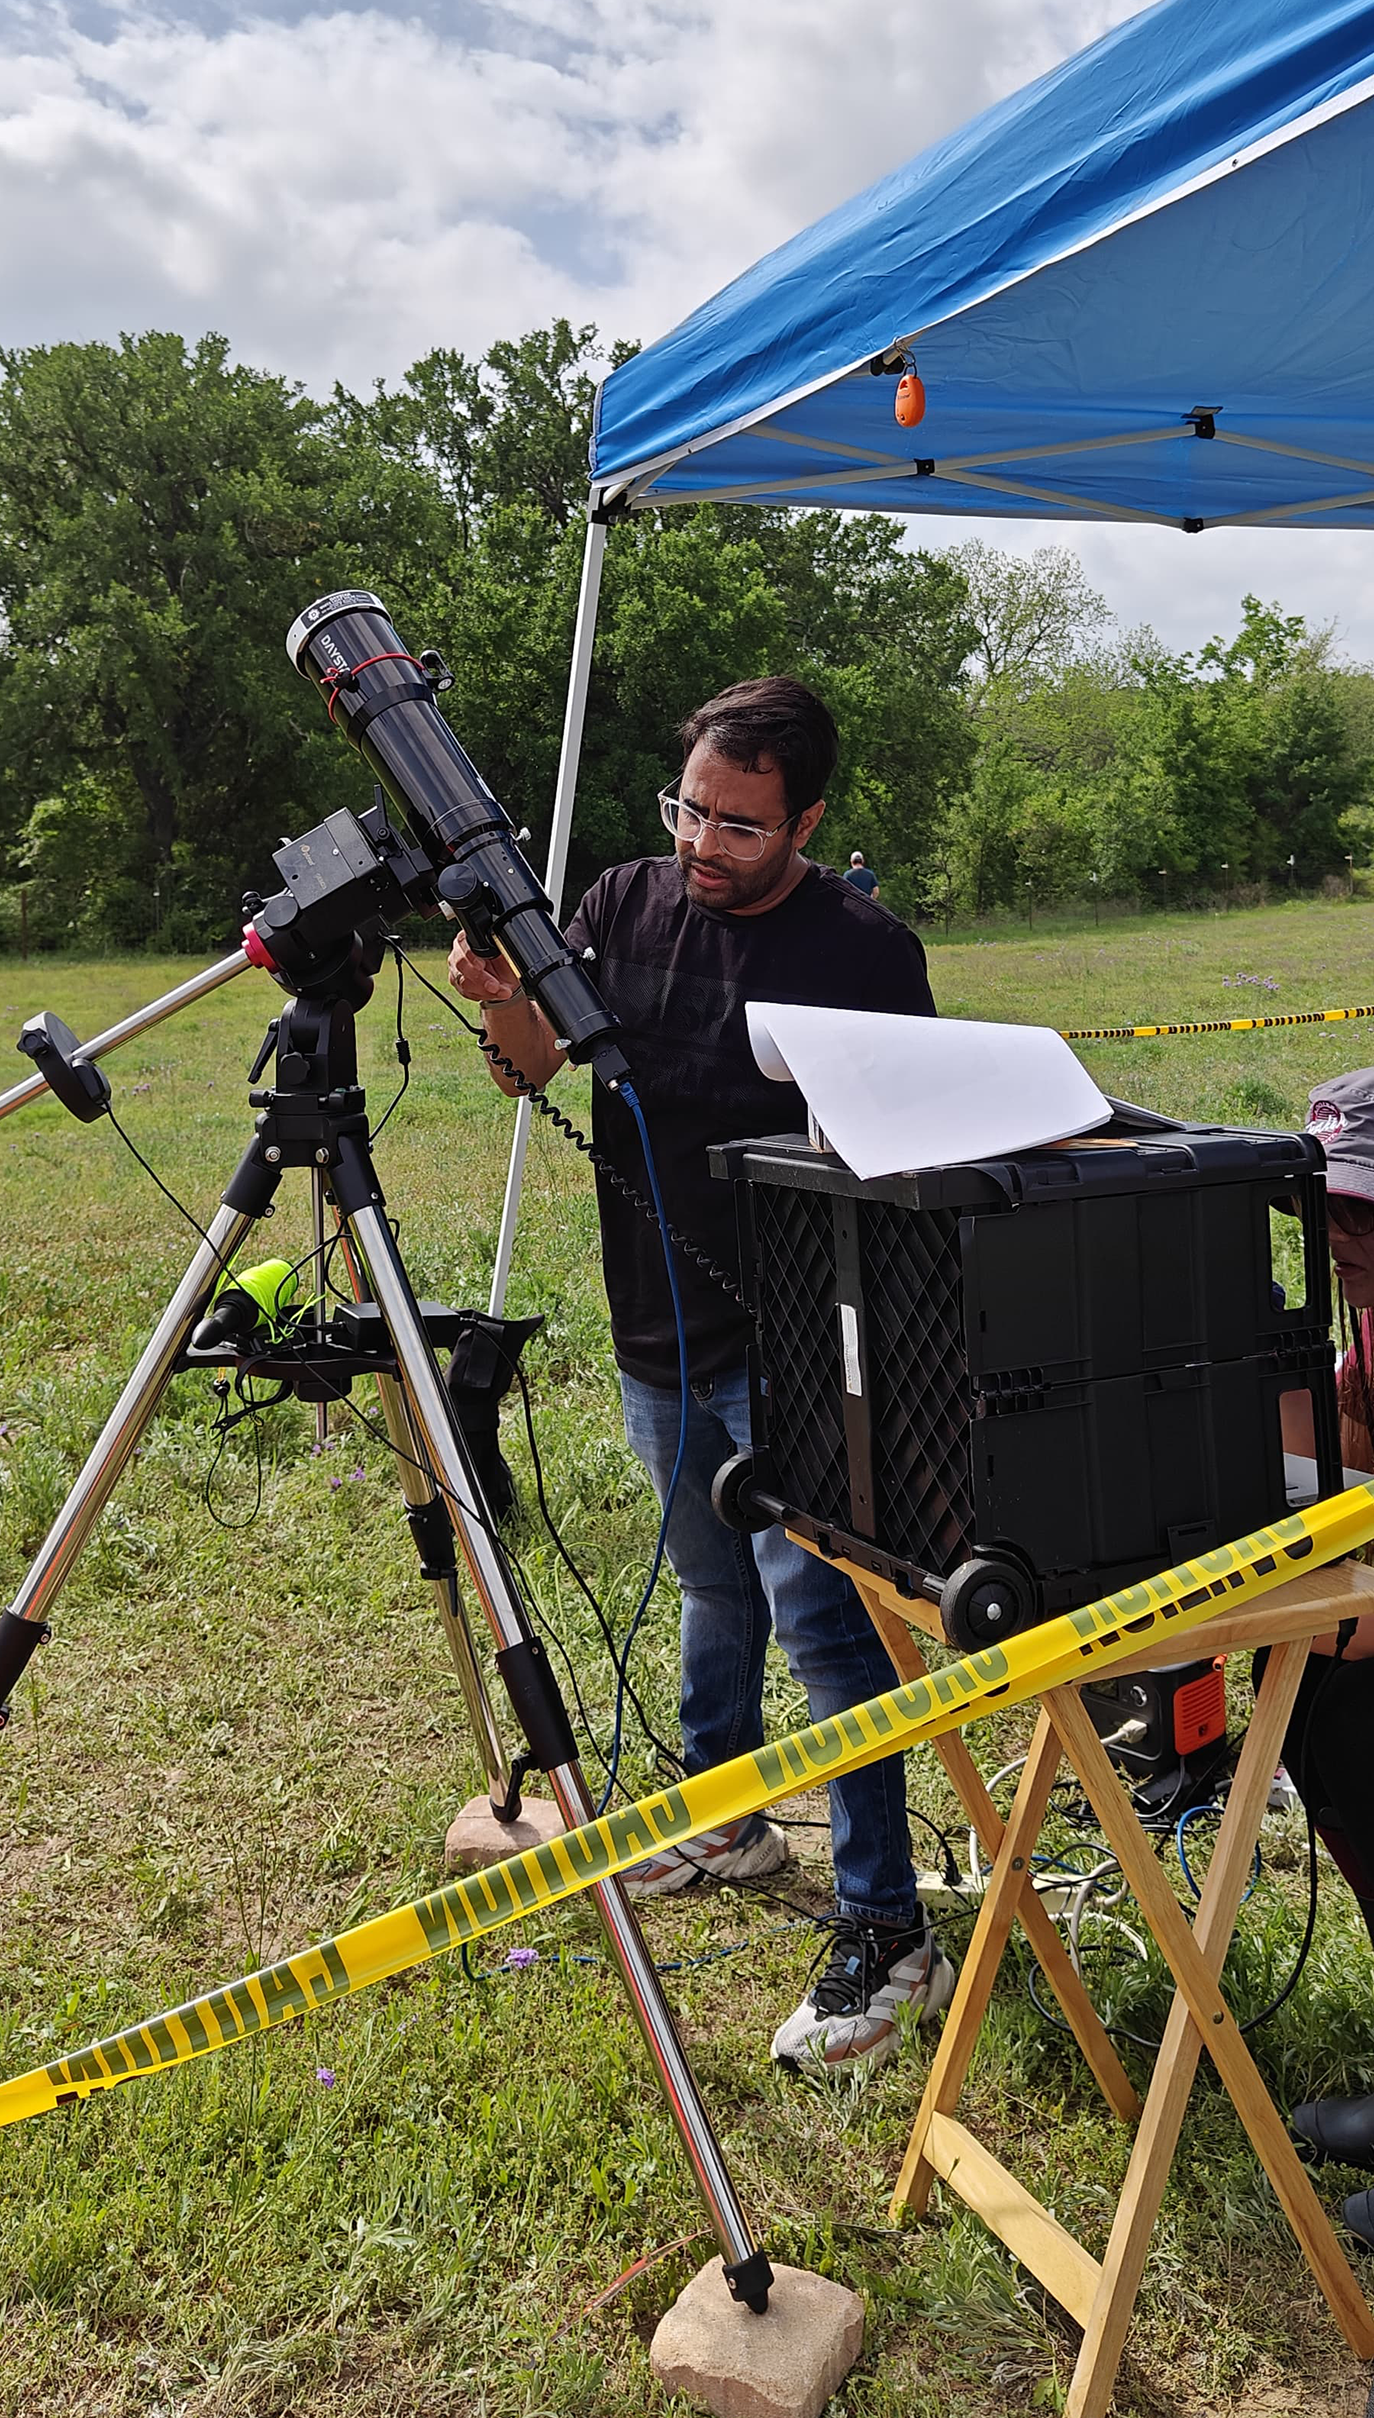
column 1341, row 1115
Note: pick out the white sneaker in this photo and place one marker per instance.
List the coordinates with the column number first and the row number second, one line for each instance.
column 850, row 2010
column 738, row 1851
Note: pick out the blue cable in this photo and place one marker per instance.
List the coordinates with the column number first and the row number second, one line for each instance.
column 631, row 1099
column 1191, row 1813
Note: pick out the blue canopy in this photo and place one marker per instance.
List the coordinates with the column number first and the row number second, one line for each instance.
column 1165, row 240
column 1142, row 289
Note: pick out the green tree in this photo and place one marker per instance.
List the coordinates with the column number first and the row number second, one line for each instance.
column 1030, row 613
column 513, row 428
column 163, row 517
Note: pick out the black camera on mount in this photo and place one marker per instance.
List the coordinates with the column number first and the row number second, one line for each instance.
column 454, row 853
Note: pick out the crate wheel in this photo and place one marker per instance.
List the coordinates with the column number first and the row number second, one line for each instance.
column 983, row 1603
column 730, row 1496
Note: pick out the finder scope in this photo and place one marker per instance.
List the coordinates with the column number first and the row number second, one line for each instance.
column 383, row 698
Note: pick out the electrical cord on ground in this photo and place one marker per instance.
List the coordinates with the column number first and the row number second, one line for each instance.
column 1194, row 1813
column 666, row 1753
column 950, row 1863
column 1090, row 1885
column 507, row 1969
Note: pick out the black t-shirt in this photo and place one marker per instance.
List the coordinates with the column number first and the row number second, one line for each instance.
column 678, row 977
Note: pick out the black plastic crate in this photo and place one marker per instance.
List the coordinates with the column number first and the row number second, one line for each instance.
column 1070, row 1361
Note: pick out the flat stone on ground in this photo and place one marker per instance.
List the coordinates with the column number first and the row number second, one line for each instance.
column 785, row 2364
column 475, row 1837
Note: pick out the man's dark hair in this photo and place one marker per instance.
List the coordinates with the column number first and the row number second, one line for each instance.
column 774, row 718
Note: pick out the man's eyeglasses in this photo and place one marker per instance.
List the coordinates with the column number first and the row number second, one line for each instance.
column 1349, row 1215
column 744, row 840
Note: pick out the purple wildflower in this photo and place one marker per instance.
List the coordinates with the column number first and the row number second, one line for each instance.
column 334, row 1484
column 519, row 1958
column 324, row 2075
column 359, row 1472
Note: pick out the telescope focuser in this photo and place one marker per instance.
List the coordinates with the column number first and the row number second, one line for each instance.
column 474, row 906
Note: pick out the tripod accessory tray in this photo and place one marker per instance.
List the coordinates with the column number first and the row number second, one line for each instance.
column 1045, row 1375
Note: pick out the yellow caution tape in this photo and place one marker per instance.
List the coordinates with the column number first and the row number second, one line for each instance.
column 1234, row 1024
column 1076, row 1646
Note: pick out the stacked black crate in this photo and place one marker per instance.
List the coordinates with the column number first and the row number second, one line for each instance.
column 1066, row 1364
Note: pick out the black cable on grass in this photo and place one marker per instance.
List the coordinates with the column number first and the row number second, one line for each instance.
column 950, row 1874
column 673, row 1761
column 505, row 1970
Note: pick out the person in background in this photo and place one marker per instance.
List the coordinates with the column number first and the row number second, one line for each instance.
column 1329, row 1749
column 862, row 875
column 677, row 945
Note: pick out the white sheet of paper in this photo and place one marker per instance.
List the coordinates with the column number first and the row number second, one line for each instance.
column 893, row 1094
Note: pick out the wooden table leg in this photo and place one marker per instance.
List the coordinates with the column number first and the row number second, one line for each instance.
column 1010, row 1875
column 1198, row 2017
column 1046, row 1944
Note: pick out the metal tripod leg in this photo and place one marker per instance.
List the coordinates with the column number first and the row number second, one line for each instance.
column 317, row 1236
column 23, row 1624
column 747, row 2270
column 432, row 1528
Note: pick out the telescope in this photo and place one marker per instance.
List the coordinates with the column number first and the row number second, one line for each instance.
column 457, row 854
column 322, row 937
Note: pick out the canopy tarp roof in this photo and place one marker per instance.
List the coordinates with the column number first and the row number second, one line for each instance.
column 1177, row 220
column 1141, row 289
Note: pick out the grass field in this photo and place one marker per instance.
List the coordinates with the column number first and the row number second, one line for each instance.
column 246, row 1734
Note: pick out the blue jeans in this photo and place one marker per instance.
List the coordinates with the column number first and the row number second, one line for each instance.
column 734, row 1589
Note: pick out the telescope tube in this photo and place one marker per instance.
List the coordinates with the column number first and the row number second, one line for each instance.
column 382, row 697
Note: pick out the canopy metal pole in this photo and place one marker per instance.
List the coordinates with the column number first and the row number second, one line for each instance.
column 564, row 794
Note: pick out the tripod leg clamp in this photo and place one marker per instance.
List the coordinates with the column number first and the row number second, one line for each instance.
column 509, row 1808
column 432, row 1530
column 537, row 1704
column 750, row 2280
column 19, row 1640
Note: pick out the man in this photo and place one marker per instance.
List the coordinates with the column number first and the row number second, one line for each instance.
column 676, row 946
column 862, row 875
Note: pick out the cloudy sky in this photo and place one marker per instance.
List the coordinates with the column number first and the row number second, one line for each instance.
column 339, row 189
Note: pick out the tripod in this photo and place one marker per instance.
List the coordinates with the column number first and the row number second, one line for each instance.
column 314, row 1118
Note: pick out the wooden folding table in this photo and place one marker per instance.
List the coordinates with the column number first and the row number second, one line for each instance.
column 1100, row 2294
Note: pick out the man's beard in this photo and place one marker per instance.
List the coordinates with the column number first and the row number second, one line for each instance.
column 745, row 882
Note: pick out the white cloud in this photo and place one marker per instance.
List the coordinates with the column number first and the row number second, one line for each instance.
column 340, row 189
column 341, row 192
